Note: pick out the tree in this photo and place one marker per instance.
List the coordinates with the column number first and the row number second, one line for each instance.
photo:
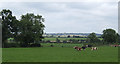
column 68, row 36
column 31, row 29
column 6, row 19
column 109, row 36
column 57, row 40
column 92, row 38
column 118, row 38
column 8, row 25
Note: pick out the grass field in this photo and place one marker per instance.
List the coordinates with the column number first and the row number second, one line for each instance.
column 54, row 39
column 61, row 39
column 60, row 54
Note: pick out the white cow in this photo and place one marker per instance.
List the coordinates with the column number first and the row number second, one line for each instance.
column 94, row 48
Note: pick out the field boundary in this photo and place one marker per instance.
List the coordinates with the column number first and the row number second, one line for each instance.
column 60, row 63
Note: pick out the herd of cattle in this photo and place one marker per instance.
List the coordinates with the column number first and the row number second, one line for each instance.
column 90, row 46
column 87, row 46
column 115, row 45
column 84, row 47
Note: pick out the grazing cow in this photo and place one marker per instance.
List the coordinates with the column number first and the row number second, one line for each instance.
column 86, row 45
column 94, row 48
column 77, row 48
column 83, row 47
column 89, row 45
column 115, row 45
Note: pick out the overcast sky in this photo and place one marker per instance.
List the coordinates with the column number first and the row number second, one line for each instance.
column 80, row 17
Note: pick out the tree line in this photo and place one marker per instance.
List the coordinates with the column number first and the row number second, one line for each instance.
column 109, row 36
column 29, row 29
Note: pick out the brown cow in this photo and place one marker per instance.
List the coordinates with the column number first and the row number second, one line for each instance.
column 77, row 48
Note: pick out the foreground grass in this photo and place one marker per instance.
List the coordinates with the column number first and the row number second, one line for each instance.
column 60, row 54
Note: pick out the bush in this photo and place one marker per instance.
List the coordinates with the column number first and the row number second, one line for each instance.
column 94, row 44
column 35, row 45
column 8, row 45
column 14, row 44
column 23, row 45
column 51, row 45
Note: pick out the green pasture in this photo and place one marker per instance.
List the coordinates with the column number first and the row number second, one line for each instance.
column 60, row 44
column 54, row 39
column 60, row 54
column 61, row 39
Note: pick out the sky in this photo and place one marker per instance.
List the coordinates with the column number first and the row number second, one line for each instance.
column 70, row 17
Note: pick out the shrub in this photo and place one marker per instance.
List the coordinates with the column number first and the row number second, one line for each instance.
column 35, row 45
column 23, row 45
column 8, row 45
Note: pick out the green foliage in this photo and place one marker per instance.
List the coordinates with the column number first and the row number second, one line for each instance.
column 92, row 38
column 6, row 20
column 35, row 45
column 31, row 28
column 118, row 38
column 57, row 40
column 9, row 25
column 9, row 45
column 109, row 36
column 28, row 29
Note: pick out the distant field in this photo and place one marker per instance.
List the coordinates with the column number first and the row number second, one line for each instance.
column 54, row 39
column 60, row 54
column 60, row 45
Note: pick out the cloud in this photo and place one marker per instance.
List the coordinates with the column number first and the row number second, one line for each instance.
column 59, row 1
column 70, row 16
